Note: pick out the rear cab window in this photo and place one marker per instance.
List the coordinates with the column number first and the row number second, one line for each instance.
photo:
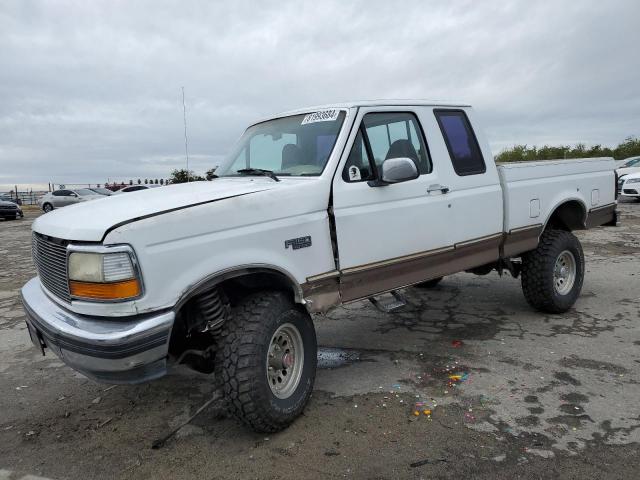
column 461, row 142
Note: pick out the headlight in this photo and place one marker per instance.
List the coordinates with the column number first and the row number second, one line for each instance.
column 103, row 276
column 633, row 180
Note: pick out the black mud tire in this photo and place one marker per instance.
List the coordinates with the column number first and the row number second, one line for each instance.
column 244, row 349
column 47, row 207
column 538, row 272
column 429, row 283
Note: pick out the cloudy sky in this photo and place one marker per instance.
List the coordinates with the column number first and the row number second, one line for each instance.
column 90, row 91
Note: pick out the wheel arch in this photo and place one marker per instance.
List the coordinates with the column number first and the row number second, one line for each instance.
column 269, row 275
column 568, row 214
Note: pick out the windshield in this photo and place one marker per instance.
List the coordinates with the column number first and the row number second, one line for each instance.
column 298, row 145
column 632, row 163
column 84, row 192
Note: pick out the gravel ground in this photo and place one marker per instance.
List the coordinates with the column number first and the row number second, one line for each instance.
column 538, row 396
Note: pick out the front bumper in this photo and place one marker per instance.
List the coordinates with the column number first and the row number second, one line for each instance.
column 110, row 350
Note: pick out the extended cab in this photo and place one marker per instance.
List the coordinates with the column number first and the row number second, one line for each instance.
column 312, row 209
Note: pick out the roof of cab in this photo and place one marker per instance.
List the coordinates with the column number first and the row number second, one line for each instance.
column 366, row 103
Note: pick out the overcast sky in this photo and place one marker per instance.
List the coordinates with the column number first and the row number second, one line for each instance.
column 91, row 90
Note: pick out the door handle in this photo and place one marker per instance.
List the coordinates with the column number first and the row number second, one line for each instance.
column 436, row 187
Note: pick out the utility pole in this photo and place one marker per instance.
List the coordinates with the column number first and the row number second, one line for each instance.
column 186, row 147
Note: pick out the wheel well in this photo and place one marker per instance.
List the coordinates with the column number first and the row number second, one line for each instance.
column 189, row 335
column 241, row 285
column 568, row 216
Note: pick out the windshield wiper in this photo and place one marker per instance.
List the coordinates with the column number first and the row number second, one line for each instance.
column 259, row 172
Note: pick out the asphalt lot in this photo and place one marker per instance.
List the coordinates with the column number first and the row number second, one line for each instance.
column 537, row 396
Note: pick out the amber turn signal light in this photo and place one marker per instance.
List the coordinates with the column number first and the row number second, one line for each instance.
column 105, row 291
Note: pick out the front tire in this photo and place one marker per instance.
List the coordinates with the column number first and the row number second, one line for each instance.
column 269, row 361
column 47, row 207
column 553, row 273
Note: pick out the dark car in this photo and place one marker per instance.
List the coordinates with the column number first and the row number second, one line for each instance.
column 8, row 198
column 10, row 210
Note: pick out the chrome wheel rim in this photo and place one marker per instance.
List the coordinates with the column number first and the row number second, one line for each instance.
column 47, row 208
column 285, row 361
column 564, row 273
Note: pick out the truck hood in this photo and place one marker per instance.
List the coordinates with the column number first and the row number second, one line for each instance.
column 90, row 221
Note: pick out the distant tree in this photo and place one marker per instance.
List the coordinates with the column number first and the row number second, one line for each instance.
column 210, row 174
column 130, row 182
column 156, row 181
column 182, row 176
column 139, row 181
column 630, row 147
column 162, row 181
column 146, row 181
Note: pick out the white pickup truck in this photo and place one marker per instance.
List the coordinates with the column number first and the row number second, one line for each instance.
column 314, row 208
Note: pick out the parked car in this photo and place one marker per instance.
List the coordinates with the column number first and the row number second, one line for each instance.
column 9, row 210
column 10, row 198
column 314, row 208
column 630, row 186
column 630, row 165
column 135, row 188
column 102, row 191
column 64, row 197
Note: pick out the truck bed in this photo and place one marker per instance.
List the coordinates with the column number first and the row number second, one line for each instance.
column 533, row 190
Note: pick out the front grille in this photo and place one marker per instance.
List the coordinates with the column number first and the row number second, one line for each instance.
column 50, row 259
column 8, row 208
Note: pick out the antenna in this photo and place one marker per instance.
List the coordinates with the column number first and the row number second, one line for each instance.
column 186, row 144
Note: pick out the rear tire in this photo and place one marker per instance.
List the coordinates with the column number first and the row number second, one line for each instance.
column 553, row 273
column 268, row 350
column 429, row 283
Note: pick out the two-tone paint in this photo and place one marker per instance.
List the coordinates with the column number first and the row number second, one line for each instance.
column 328, row 240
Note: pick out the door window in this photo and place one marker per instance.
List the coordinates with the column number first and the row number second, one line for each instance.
column 61, row 193
column 358, row 167
column 464, row 151
column 388, row 135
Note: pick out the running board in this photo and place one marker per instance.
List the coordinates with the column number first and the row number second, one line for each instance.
column 389, row 306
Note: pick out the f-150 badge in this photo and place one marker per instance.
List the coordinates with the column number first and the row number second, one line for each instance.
column 296, row 243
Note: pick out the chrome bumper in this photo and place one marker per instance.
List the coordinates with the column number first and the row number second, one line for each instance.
column 114, row 350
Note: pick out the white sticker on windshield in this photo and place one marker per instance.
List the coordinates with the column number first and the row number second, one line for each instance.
column 321, row 116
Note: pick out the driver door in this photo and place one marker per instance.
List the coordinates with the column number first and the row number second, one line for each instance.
column 393, row 235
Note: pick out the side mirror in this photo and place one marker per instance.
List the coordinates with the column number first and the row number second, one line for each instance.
column 396, row 170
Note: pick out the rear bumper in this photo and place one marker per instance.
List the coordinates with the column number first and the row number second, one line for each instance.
column 110, row 350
